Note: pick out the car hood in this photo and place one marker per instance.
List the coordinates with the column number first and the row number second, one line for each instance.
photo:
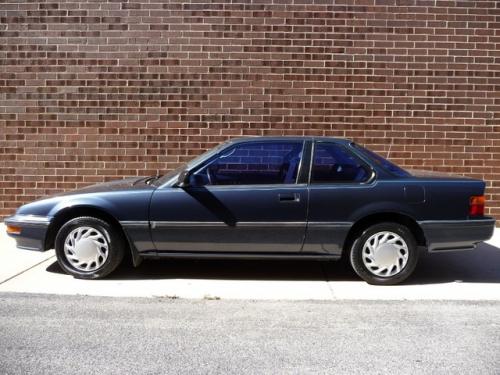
column 131, row 183
column 45, row 205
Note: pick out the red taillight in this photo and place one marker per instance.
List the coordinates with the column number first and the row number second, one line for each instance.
column 476, row 207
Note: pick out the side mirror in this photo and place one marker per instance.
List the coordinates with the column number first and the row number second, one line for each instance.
column 183, row 179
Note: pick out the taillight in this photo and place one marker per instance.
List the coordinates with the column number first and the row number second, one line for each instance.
column 476, row 206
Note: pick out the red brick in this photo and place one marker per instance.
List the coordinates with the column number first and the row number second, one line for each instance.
column 93, row 91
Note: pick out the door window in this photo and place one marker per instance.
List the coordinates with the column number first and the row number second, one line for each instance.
column 253, row 163
column 334, row 163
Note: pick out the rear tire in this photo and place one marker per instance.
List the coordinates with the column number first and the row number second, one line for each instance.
column 384, row 254
column 89, row 248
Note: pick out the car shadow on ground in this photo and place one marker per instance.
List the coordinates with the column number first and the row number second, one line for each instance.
column 478, row 266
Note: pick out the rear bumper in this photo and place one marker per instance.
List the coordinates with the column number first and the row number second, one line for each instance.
column 444, row 235
column 33, row 231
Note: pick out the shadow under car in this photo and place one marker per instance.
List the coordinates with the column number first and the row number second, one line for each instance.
column 481, row 265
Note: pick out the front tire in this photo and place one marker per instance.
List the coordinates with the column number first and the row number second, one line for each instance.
column 384, row 254
column 89, row 248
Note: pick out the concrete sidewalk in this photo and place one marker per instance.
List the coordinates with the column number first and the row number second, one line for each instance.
column 472, row 275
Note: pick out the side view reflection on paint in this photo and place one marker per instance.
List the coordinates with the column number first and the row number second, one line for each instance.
column 284, row 197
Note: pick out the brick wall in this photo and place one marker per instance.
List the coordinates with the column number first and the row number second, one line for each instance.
column 96, row 90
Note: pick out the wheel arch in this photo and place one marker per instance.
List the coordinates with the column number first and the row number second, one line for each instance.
column 375, row 218
column 68, row 213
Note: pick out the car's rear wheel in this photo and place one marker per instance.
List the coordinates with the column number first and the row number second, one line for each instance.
column 89, row 248
column 384, row 254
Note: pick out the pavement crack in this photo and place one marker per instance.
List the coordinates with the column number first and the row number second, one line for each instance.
column 327, row 280
column 26, row 270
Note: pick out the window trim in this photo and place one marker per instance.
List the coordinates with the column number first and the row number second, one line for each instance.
column 371, row 178
column 305, row 163
column 234, row 145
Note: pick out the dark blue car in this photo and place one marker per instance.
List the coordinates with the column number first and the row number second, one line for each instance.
column 301, row 198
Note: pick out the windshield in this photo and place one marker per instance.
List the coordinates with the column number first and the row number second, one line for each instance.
column 382, row 162
column 188, row 165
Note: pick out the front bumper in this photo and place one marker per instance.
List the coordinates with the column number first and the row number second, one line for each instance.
column 33, row 231
column 444, row 235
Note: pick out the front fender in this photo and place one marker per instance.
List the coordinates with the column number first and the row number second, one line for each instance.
column 122, row 205
column 84, row 202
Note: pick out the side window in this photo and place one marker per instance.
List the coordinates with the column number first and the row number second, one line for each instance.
column 253, row 163
column 335, row 163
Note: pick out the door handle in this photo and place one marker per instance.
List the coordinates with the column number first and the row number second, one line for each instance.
column 295, row 197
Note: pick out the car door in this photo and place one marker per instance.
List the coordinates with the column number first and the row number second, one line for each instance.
column 249, row 198
column 340, row 185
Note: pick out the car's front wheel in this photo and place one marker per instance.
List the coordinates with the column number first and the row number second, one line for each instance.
column 89, row 248
column 384, row 254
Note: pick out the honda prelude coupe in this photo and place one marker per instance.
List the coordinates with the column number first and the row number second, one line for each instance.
column 260, row 198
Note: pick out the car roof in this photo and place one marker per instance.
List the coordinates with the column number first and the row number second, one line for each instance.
column 288, row 138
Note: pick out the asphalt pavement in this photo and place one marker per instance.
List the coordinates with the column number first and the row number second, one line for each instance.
column 48, row 334
column 251, row 317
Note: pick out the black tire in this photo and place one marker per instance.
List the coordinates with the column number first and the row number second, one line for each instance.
column 115, row 244
column 356, row 254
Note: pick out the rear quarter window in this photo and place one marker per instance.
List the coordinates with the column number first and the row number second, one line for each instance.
column 376, row 159
column 335, row 163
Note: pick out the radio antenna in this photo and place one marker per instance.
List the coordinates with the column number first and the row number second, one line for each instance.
column 389, row 152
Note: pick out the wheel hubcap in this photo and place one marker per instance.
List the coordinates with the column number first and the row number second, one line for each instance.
column 86, row 248
column 385, row 254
